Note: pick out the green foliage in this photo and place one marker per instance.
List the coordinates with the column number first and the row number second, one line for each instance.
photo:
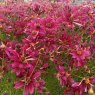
column 6, row 85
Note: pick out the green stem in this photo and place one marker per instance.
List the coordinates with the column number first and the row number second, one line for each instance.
column 35, row 92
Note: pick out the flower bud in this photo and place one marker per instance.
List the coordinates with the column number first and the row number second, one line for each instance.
column 90, row 91
column 0, row 26
column 2, row 46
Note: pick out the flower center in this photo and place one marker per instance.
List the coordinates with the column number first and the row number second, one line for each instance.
column 22, row 59
column 48, row 25
column 34, row 32
column 79, row 52
column 67, row 74
column 87, row 81
column 93, row 32
column 65, row 41
column 37, row 25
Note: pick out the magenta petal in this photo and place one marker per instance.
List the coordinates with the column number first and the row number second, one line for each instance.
column 18, row 73
column 75, row 84
column 26, row 91
column 37, row 74
column 71, row 80
column 61, row 69
column 18, row 85
column 45, row 65
column 92, row 79
column 31, row 88
column 31, row 69
column 79, row 63
column 42, row 82
column 14, row 65
column 7, row 53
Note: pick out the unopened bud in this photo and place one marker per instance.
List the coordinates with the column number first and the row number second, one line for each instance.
column 0, row 26
column 2, row 46
column 90, row 91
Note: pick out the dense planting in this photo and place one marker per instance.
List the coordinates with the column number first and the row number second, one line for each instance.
column 35, row 35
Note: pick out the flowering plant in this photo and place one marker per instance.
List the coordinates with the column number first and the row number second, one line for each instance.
column 35, row 35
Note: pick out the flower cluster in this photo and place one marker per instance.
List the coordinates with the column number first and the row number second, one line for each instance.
column 36, row 34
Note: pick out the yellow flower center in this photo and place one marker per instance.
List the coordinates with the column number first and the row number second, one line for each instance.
column 87, row 81
column 67, row 74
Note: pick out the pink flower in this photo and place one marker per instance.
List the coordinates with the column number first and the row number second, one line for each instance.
column 35, row 28
column 82, row 87
column 66, row 40
column 29, row 88
column 80, row 53
column 18, row 68
column 34, row 34
column 50, row 24
column 17, row 56
column 32, row 81
column 64, row 77
column 37, row 7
